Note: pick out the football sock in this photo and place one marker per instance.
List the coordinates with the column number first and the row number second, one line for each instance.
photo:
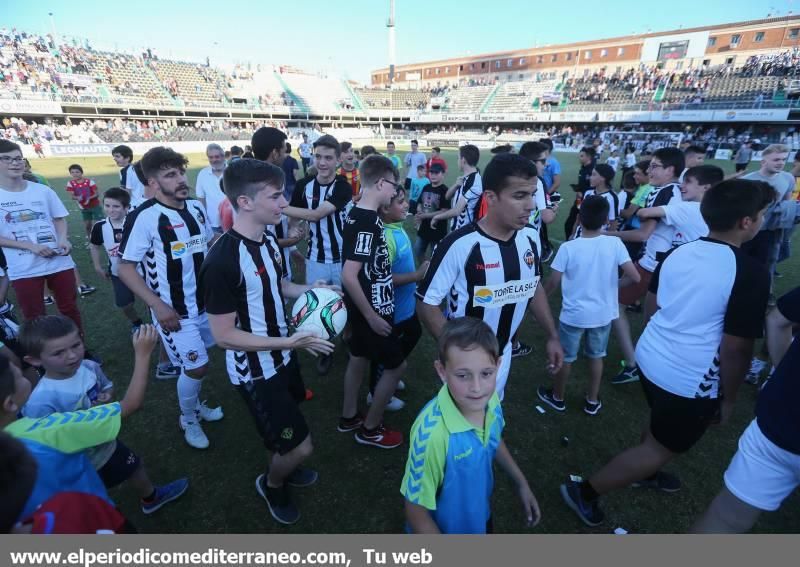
column 188, row 392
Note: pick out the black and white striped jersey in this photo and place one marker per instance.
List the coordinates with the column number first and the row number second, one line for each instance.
column 244, row 277
column 105, row 234
column 171, row 243
column 485, row 278
column 281, row 231
column 325, row 235
column 704, row 289
column 471, row 190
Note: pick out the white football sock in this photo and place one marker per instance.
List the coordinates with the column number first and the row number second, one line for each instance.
column 188, row 393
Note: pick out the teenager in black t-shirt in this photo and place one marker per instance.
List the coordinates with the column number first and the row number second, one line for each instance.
column 587, row 158
column 369, row 294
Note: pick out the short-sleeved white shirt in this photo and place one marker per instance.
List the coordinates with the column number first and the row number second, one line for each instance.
column 207, row 187
column 28, row 215
column 687, row 220
column 590, row 281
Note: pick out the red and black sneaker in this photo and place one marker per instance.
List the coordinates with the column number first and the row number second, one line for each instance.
column 381, row 437
column 347, row 425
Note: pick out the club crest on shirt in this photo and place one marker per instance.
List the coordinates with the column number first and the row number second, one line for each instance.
column 529, row 258
column 192, row 355
column 277, row 256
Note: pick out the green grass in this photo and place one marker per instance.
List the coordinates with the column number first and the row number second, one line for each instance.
column 359, row 486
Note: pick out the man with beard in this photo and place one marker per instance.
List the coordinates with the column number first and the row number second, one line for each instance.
column 171, row 233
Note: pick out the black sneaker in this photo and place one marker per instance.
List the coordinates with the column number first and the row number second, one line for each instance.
column 85, row 290
column 663, row 481
column 48, row 300
column 278, row 501
column 302, row 477
column 324, row 363
column 589, row 512
column 546, row 395
column 352, row 424
column 521, row 349
column 592, row 407
column 627, row 375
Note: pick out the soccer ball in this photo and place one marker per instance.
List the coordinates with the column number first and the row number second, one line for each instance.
column 319, row 311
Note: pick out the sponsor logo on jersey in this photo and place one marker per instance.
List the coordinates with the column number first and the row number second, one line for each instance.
column 174, row 226
column 513, row 291
column 181, row 248
column 487, row 266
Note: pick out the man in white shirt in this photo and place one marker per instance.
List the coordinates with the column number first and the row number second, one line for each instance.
column 207, row 186
column 412, row 161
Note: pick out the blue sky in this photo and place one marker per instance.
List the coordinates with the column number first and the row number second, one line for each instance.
column 349, row 37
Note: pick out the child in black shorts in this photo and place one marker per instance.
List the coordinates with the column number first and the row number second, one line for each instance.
column 369, row 294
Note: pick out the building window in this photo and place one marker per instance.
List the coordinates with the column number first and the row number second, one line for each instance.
column 510, row 63
column 620, row 51
column 521, row 76
column 759, row 37
column 471, row 66
column 729, row 61
column 794, row 33
column 483, row 64
column 521, row 61
column 736, row 39
column 712, row 41
column 569, row 56
column 427, row 71
column 604, row 53
column 460, row 67
column 497, row 64
column 540, row 59
column 554, row 58
column 437, row 70
column 446, row 70
column 587, row 54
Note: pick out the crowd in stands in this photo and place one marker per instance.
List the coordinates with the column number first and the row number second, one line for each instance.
column 783, row 64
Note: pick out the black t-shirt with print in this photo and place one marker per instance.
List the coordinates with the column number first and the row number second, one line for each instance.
column 432, row 199
column 363, row 241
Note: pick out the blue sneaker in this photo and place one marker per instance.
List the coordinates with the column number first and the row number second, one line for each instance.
column 302, row 476
column 589, row 512
column 165, row 494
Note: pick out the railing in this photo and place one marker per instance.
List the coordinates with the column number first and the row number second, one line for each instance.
column 140, row 101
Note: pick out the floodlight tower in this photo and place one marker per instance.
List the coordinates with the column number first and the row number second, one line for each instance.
column 390, row 27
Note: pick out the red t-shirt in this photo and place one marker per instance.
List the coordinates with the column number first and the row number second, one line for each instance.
column 85, row 192
column 77, row 513
column 352, row 178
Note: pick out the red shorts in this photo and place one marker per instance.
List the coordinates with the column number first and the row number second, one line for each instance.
column 632, row 293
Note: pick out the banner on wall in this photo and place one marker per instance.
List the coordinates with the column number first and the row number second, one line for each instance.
column 12, row 106
column 752, row 114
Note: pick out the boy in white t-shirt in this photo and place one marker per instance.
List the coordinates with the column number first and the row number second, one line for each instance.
column 589, row 267
column 33, row 235
column 685, row 215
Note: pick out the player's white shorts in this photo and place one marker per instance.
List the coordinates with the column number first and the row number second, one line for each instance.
column 187, row 347
column 761, row 473
column 503, row 371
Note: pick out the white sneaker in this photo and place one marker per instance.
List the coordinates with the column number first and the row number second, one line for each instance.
column 209, row 414
column 394, row 404
column 757, row 366
column 193, row 433
column 400, row 386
